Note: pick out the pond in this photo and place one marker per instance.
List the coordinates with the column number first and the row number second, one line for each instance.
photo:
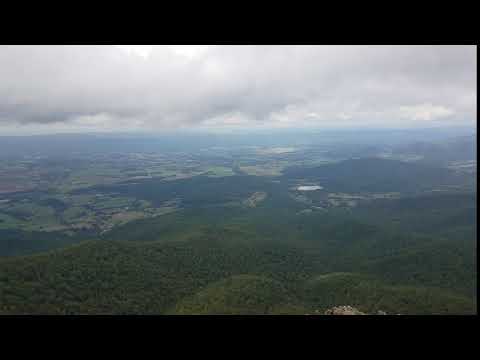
column 309, row 188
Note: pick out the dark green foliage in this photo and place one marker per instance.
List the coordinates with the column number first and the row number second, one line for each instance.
column 370, row 295
column 127, row 277
column 18, row 242
column 433, row 213
column 219, row 272
column 241, row 295
column 437, row 263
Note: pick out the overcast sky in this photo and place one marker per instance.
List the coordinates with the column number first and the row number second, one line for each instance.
column 119, row 88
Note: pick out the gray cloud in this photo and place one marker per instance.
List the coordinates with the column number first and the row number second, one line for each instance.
column 106, row 87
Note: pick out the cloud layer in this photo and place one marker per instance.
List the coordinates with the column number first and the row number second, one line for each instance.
column 116, row 88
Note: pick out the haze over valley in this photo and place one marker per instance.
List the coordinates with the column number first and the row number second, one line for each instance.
column 237, row 179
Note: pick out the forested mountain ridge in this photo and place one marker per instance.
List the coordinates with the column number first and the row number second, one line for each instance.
column 205, row 275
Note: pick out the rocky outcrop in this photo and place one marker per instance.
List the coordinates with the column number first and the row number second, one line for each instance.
column 343, row 310
column 348, row 310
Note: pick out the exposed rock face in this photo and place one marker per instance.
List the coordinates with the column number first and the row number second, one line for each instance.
column 343, row 310
column 347, row 310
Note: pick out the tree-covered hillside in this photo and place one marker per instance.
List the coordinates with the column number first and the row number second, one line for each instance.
column 222, row 271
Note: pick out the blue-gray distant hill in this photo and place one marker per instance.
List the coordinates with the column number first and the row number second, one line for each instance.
column 461, row 148
column 376, row 175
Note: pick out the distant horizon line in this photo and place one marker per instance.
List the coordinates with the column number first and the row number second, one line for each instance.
column 240, row 131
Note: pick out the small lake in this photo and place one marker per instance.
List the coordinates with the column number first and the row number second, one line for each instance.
column 309, row 188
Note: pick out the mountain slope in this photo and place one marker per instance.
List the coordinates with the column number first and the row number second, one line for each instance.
column 370, row 295
column 213, row 273
column 241, row 295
